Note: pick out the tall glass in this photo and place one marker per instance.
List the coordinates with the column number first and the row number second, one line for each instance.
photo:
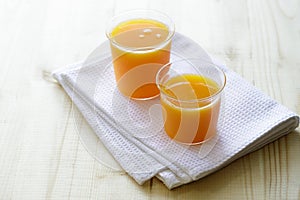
column 140, row 43
column 190, row 95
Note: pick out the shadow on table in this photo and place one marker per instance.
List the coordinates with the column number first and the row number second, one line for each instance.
column 259, row 174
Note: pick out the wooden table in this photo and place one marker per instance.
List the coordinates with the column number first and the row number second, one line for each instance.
column 41, row 156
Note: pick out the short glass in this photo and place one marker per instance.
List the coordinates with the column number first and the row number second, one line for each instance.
column 140, row 43
column 190, row 95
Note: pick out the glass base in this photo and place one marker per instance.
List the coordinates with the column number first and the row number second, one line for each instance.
column 144, row 98
column 195, row 143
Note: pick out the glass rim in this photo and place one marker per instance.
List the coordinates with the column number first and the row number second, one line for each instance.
column 171, row 29
column 196, row 100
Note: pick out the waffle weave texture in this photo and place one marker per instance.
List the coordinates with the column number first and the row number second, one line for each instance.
column 133, row 133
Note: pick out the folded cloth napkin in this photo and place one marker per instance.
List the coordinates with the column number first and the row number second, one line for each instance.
column 133, row 130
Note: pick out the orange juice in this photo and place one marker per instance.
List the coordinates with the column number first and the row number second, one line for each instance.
column 140, row 47
column 190, row 114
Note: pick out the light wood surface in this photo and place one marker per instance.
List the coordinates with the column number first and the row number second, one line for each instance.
column 41, row 156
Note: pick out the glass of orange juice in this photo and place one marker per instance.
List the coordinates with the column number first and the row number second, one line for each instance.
column 190, row 95
column 140, row 42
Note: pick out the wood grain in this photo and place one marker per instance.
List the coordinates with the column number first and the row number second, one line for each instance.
column 41, row 156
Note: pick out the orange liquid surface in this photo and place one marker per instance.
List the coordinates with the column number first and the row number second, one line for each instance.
column 137, row 56
column 186, row 120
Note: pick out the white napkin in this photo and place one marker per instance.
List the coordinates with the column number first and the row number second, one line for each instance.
column 133, row 130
